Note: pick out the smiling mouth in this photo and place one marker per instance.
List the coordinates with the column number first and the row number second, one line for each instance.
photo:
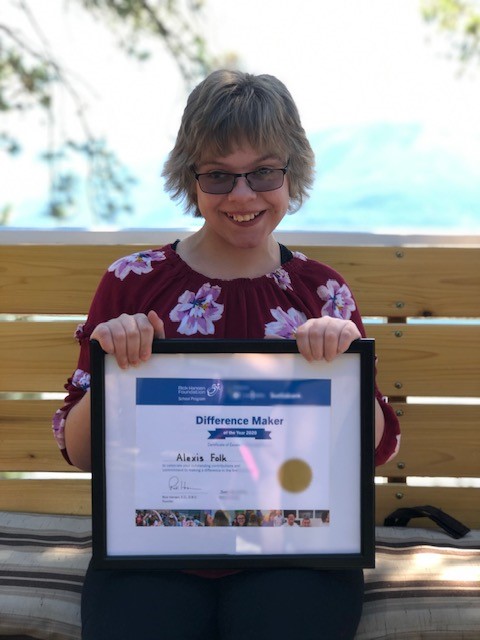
column 244, row 217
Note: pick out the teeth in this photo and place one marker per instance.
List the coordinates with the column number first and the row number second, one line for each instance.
column 243, row 218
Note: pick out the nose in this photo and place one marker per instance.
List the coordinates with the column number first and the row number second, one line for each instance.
column 242, row 190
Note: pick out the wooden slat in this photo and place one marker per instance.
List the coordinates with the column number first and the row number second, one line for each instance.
column 435, row 360
column 407, row 281
column 440, row 441
column 422, row 281
column 46, row 496
column 74, row 497
column 428, row 449
column 36, row 356
column 461, row 503
column 425, row 360
column 53, row 279
column 26, row 440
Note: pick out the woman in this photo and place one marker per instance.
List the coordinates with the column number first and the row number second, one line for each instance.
column 241, row 161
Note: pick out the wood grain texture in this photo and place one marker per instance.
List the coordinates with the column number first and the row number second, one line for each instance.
column 414, row 360
column 387, row 281
column 437, row 441
column 74, row 497
column 428, row 360
column 26, row 439
column 37, row 356
column 403, row 281
column 46, row 496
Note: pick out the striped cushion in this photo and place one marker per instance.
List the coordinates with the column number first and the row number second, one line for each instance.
column 425, row 585
column 42, row 563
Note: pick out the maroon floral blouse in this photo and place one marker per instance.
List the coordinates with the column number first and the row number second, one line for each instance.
column 192, row 305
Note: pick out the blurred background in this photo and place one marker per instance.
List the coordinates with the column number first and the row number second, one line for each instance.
column 92, row 92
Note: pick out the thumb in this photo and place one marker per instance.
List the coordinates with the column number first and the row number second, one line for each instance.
column 157, row 324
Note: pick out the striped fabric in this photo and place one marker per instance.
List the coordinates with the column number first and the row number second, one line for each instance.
column 425, row 585
column 42, row 563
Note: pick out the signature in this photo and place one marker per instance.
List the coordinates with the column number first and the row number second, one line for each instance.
column 177, row 484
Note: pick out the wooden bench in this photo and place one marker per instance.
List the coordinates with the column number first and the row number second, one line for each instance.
column 421, row 304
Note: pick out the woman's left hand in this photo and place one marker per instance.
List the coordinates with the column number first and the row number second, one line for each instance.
column 325, row 338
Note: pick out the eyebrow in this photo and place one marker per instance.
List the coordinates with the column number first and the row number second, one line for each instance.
column 260, row 160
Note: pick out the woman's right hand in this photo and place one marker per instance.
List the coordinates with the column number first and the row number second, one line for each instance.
column 129, row 337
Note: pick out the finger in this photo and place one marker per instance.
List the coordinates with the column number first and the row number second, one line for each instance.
column 139, row 332
column 126, row 339
column 139, row 339
column 151, row 327
column 304, row 342
column 350, row 332
column 125, row 334
column 157, row 324
column 102, row 334
column 330, row 341
column 320, row 335
column 112, row 339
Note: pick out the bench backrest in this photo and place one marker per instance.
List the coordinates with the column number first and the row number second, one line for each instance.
column 420, row 303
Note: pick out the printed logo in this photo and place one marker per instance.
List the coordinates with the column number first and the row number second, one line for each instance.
column 215, row 388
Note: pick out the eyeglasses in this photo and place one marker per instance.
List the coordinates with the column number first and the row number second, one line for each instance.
column 220, row 182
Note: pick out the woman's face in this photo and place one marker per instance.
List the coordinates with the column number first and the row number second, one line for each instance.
column 243, row 218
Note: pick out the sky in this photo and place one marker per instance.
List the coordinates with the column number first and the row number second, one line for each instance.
column 346, row 63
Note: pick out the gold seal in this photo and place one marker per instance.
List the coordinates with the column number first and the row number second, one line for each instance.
column 295, row 475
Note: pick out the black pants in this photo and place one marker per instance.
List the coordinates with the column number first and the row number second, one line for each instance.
column 273, row 603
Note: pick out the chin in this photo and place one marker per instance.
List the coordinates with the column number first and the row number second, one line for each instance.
column 248, row 243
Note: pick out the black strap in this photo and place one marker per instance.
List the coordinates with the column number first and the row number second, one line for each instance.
column 285, row 253
column 401, row 517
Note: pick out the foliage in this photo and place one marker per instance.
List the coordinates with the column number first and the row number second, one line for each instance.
column 31, row 77
column 460, row 21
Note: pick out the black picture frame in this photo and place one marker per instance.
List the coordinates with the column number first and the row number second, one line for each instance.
column 360, row 358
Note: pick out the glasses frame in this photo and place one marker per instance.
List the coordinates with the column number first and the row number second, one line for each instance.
column 235, row 177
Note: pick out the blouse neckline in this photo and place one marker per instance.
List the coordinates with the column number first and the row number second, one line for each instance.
column 285, row 256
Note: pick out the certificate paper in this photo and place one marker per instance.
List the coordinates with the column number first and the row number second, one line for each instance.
column 233, row 454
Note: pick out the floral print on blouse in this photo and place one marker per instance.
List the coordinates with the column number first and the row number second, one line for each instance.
column 339, row 300
column 196, row 312
column 190, row 304
column 139, row 263
column 286, row 323
column 282, row 278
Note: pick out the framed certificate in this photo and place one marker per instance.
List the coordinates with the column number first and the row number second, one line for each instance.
column 233, row 454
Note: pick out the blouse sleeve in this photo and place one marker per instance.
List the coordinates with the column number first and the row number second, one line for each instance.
column 107, row 303
column 389, row 444
column 339, row 302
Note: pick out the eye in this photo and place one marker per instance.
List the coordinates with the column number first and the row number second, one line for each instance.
column 263, row 172
column 218, row 176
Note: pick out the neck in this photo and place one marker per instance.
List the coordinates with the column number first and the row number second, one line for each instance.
column 209, row 255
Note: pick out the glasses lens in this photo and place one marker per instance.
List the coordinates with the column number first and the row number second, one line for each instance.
column 216, row 182
column 265, row 179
